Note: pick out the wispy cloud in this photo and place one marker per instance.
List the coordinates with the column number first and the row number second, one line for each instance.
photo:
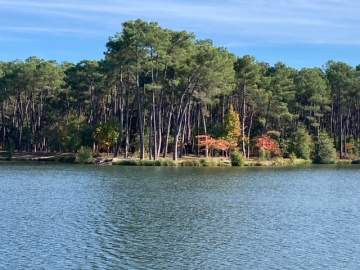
column 248, row 21
column 255, row 11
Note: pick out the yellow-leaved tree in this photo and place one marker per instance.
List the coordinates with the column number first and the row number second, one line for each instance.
column 106, row 135
column 232, row 127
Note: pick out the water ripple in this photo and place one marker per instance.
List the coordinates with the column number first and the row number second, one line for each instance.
column 78, row 217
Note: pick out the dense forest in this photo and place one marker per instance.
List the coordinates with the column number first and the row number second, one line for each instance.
column 158, row 92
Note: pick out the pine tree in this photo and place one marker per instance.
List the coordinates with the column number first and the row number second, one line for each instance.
column 325, row 150
column 301, row 144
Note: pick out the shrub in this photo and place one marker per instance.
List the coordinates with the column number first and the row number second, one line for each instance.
column 10, row 150
column 66, row 158
column 106, row 135
column 266, row 143
column 301, row 144
column 352, row 149
column 357, row 148
column 264, row 155
column 344, row 162
column 279, row 161
column 127, row 162
column 292, row 157
column 84, row 155
column 167, row 162
column 191, row 163
column 207, row 162
column 146, row 162
column 325, row 152
column 274, row 134
column 237, row 159
column 138, row 162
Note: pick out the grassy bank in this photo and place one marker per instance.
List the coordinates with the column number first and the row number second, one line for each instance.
column 211, row 162
column 189, row 161
column 40, row 156
column 277, row 162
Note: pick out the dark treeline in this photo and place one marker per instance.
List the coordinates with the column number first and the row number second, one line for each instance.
column 157, row 89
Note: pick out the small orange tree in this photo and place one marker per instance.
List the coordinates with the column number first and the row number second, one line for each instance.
column 215, row 144
column 231, row 138
column 265, row 143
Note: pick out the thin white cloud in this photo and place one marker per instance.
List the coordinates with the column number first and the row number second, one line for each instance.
column 237, row 11
column 256, row 11
column 247, row 21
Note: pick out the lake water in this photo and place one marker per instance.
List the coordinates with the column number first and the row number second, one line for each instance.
column 87, row 217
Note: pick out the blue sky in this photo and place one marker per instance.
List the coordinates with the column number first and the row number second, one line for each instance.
column 298, row 32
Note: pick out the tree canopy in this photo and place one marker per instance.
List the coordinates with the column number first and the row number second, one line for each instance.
column 156, row 90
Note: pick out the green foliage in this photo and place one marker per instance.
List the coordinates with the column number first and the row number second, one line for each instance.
column 204, row 162
column 301, row 144
column 84, row 156
column 154, row 80
column 280, row 161
column 149, row 162
column 167, row 162
column 127, row 162
column 73, row 134
column 274, row 134
column 247, row 72
column 292, row 157
column 217, row 130
column 312, row 96
column 86, row 80
column 191, row 163
column 237, row 159
column 279, row 82
column 69, row 134
column 107, row 134
column 325, row 152
column 357, row 148
column 264, row 155
column 10, row 148
column 137, row 162
column 66, row 158
column 215, row 73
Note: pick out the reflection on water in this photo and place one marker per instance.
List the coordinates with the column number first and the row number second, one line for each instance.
column 85, row 217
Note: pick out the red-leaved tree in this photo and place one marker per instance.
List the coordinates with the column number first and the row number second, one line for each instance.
column 216, row 144
column 265, row 143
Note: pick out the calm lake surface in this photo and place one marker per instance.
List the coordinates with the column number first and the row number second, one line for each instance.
column 87, row 217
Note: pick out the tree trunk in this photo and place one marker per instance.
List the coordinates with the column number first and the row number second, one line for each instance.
column 167, row 134
column 205, row 131
column 249, row 133
column 243, row 120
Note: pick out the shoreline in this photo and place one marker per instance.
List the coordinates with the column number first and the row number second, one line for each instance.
column 188, row 161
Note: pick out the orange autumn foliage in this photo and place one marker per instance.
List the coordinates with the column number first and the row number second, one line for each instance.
column 266, row 143
column 349, row 147
column 217, row 144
